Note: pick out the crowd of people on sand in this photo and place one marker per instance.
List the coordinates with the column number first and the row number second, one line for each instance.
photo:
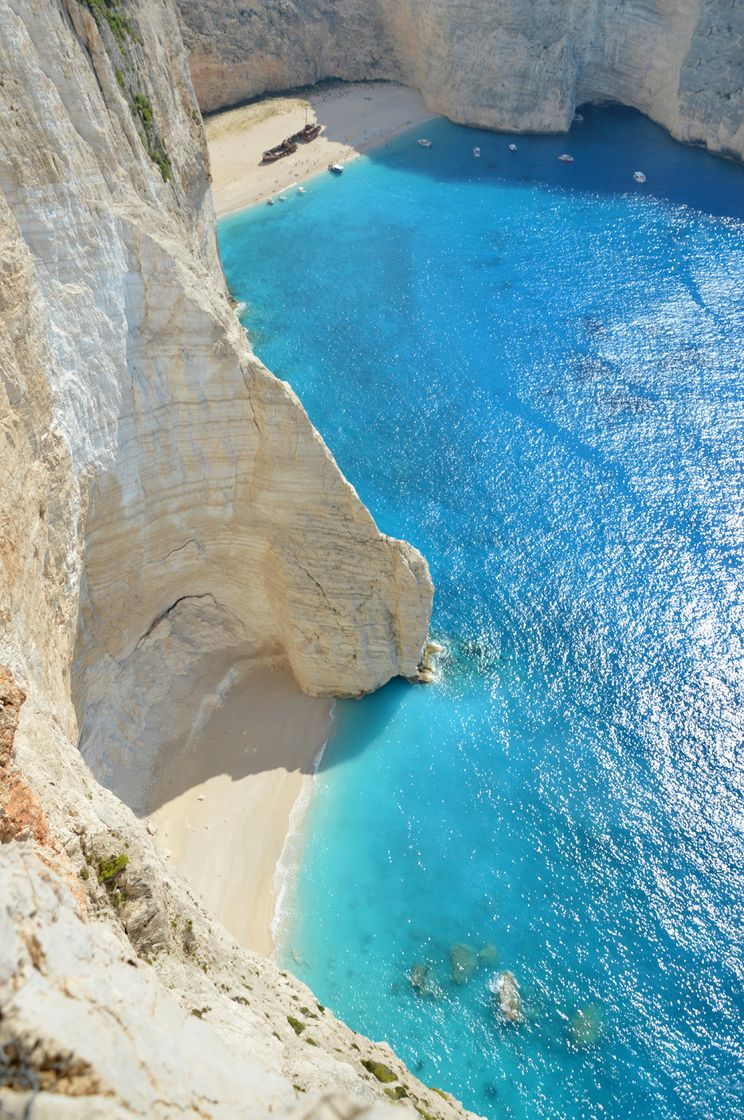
column 301, row 169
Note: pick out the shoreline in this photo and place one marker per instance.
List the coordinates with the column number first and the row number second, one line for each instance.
column 355, row 117
column 225, row 799
column 233, row 828
column 288, row 864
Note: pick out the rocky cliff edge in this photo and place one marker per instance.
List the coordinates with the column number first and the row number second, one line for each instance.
column 150, row 462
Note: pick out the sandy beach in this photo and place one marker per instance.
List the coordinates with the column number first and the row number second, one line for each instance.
column 222, row 800
column 354, row 118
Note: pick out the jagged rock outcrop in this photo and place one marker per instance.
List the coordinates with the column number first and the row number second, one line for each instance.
column 155, row 477
column 513, row 65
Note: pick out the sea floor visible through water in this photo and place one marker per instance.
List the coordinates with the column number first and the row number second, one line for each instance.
column 532, row 370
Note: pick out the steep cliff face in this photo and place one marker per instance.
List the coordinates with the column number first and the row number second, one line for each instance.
column 198, row 474
column 152, row 468
column 513, row 65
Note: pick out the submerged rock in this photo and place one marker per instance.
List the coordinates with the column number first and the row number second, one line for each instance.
column 463, row 963
column 506, row 989
column 586, row 1026
column 422, row 982
column 489, row 954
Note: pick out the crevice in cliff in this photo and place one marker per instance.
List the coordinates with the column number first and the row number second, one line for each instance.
column 169, row 610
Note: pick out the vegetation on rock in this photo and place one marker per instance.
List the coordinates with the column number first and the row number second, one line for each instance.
column 108, row 869
column 396, row 1094
column 379, row 1070
column 109, row 12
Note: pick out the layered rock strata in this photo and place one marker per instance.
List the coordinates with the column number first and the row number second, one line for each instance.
column 514, row 66
column 157, row 481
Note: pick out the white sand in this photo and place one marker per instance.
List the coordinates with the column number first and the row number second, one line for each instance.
column 226, row 785
column 354, row 118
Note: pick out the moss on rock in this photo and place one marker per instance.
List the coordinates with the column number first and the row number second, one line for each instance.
column 379, row 1070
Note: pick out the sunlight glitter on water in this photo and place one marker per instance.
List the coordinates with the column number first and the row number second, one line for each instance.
column 533, row 372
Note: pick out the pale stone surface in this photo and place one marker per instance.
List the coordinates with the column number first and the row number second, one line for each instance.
column 514, row 65
column 201, row 1032
column 157, row 479
column 197, row 475
column 163, row 498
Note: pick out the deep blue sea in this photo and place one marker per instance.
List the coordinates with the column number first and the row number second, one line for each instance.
column 533, row 371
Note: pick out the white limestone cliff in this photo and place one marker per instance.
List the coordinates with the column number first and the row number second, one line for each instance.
column 511, row 65
column 153, row 469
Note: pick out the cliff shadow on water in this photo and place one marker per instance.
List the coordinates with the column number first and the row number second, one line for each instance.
column 609, row 144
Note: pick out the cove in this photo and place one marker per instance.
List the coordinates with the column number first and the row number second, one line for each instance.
column 532, row 370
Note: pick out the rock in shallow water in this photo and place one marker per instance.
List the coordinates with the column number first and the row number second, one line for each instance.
column 587, row 1025
column 463, row 963
column 423, row 983
column 506, row 989
column 489, row 954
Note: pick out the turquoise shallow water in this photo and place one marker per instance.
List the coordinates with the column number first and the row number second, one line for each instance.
column 533, row 371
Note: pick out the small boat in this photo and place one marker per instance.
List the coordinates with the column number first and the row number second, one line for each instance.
column 425, row 143
column 270, row 201
column 282, row 198
column 566, row 158
column 476, row 153
column 336, row 168
column 512, row 147
column 639, row 177
column 578, row 119
column 300, row 190
column 286, row 148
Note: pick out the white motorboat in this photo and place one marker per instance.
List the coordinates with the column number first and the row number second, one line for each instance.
column 425, row 143
column 566, row 158
column 639, row 177
column 336, row 168
column 512, row 147
column 476, row 153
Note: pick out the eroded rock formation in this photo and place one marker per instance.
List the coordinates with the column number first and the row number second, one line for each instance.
column 154, row 477
column 511, row 65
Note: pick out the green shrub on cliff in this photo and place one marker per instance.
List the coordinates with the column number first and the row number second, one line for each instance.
column 379, row 1070
column 107, row 11
column 108, row 869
